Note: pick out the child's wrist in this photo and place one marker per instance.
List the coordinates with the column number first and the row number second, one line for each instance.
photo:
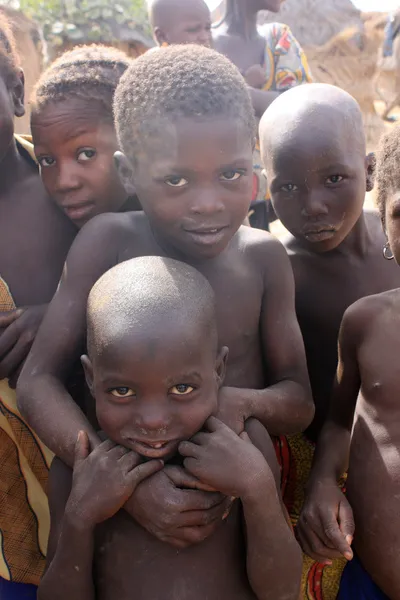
column 259, row 486
column 78, row 522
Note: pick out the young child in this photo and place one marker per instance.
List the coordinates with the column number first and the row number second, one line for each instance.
column 155, row 397
column 73, row 132
column 180, row 22
column 361, row 431
column 194, row 197
column 314, row 153
column 34, row 240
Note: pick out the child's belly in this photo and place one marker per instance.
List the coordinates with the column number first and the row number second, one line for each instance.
column 373, row 490
column 133, row 565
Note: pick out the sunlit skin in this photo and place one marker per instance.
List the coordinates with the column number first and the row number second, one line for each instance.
column 142, row 403
column 363, row 421
column 314, row 154
column 194, row 196
column 75, row 146
column 181, row 22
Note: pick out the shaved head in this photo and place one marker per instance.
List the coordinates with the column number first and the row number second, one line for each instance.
column 180, row 21
column 146, row 296
column 314, row 109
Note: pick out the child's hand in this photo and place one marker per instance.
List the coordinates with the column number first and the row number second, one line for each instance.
column 255, row 77
column 174, row 507
column 103, row 480
column 18, row 330
column 326, row 525
column 225, row 461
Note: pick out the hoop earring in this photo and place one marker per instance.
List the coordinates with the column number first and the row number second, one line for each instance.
column 387, row 252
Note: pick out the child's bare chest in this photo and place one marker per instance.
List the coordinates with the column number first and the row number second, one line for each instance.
column 34, row 241
column 243, row 53
column 131, row 564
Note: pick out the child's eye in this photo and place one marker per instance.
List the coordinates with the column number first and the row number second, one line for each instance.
column 176, row 181
column 334, row 179
column 231, row 175
column 46, row 161
column 86, row 154
column 122, row 392
column 289, row 187
column 182, row 389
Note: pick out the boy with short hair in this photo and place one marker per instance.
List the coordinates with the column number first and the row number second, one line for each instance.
column 194, row 197
column 155, row 395
column 362, row 431
column 180, row 22
column 313, row 148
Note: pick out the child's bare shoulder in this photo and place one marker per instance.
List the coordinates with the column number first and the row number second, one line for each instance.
column 363, row 315
column 260, row 246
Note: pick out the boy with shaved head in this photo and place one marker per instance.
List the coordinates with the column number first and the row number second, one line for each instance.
column 180, row 22
column 313, row 149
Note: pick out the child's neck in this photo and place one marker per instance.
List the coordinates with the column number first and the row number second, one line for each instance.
column 13, row 169
column 359, row 240
column 243, row 25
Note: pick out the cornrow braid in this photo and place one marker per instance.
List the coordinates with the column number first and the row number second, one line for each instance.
column 89, row 73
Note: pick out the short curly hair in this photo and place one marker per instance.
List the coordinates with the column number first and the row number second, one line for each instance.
column 9, row 58
column 90, row 73
column 388, row 168
column 174, row 82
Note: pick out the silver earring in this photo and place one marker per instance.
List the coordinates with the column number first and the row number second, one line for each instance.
column 387, row 252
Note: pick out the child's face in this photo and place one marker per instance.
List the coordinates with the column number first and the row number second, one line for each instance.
column 192, row 26
column 153, row 391
column 318, row 182
column 195, row 185
column 75, row 149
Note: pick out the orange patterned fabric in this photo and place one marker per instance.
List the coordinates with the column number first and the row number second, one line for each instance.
column 295, row 454
column 25, row 462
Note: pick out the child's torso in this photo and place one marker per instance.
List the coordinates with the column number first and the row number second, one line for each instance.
column 373, row 485
column 243, row 53
column 34, row 240
column 326, row 285
column 131, row 564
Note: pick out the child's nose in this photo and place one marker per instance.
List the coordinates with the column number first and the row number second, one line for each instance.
column 67, row 177
column 207, row 203
column 314, row 205
column 155, row 419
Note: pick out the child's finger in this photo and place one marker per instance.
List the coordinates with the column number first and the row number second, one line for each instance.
column 213, row 424
column 82, row 448
column 9, row 316
column 188, row 449
column 336, row 538
column 145, row 469
column 245, row 437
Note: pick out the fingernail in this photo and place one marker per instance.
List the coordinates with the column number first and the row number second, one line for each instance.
column 349, row 539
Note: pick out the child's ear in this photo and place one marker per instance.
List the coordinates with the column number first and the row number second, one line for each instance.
column 160, row 37
column 220, row 365
column 18, row 94
column 370, row 167
column 88, row 370
column 125, row 172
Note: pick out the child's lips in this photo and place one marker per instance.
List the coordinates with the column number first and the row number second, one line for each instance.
column 207, row 236
column 319, row 234
column 155, row 449
column 77, row 212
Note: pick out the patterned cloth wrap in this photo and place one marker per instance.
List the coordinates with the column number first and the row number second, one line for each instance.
column 25, row 462
column 295, row 454
column 285, row 67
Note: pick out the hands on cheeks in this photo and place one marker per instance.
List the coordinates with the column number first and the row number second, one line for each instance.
column 103, row 480
column 177, row 508
column 225, row 461
column 18, row 330
column 326, row 525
